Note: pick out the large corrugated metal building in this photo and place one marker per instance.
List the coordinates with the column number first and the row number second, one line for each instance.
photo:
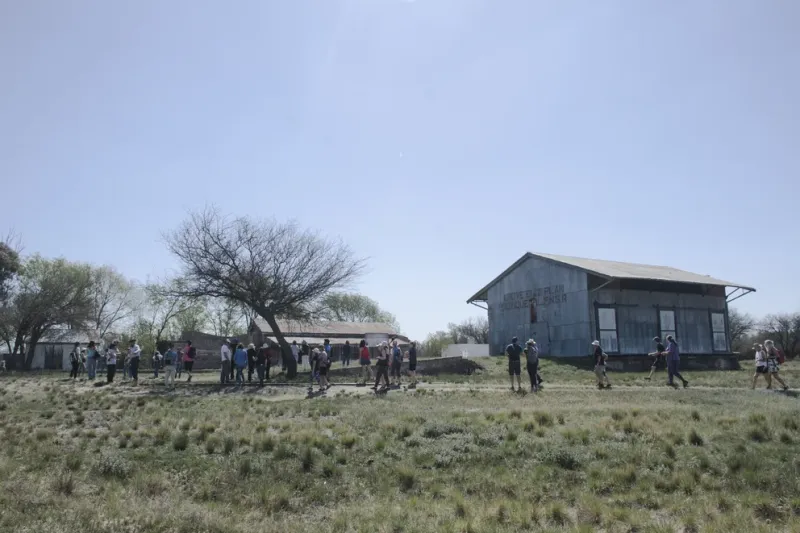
column 567, row 302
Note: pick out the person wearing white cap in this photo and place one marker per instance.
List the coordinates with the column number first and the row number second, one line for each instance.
column 600, row 366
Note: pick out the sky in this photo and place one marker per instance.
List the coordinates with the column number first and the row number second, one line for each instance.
column 440, row 139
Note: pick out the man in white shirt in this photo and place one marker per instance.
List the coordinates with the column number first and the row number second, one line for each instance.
column 134, row 354
column 225, row 352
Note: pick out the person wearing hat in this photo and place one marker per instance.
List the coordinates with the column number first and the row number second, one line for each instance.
column 673, row 355
column 532, row 360
column 658, row 361
column 600, row 366
column 513, row 351
column 134, row 353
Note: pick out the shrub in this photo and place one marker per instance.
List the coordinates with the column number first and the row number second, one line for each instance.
column 564, row 458
column 348, row 441
column 73, row 462
column 559, row 515
column 245, row 467
column 228, row 444
column 180, row 441
column 435, row 430
column 211, row 445
column 161, row 436
column 307, row 460
column 544, row 419
column 113, row 466
column 695, row 439
column 759, row 434
column 406, row 479
column 617, row 415
column 404, row 433
column 64, row 483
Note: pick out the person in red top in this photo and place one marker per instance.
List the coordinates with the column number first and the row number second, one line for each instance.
column 366, row 364
column 189, row 354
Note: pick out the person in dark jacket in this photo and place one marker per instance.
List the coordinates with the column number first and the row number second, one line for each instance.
column 240, row 362
column 75, row 360
column 513, row 351
column 600, row 366
column 347, row 353
column 251, row 362
column 262, row 364
column 658, row 358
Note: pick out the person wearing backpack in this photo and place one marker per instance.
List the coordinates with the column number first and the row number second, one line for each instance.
column 774, row 358
column 532, row 360
column 240, row 360
column 170, row 360
column 323, row 364
column 75, row 360
column 600, row 366
column 761, row 365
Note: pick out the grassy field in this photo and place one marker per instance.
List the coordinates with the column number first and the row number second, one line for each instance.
column 716, row 458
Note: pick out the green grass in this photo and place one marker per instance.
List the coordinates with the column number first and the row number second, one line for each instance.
column 469, row 458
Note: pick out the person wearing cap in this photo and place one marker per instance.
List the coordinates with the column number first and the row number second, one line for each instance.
column 658, row 361
column 600, row 366
column 382, row 365
column 513, row 351
column 532, row 360
column 75, row 360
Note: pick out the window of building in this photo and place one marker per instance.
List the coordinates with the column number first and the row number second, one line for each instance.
column 666, row 319
column 718, row 332
column 607, row 327
column 533, row 314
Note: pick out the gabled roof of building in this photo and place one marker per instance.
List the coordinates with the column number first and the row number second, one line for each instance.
column 69, row 336
column 613, row 270
column 293, row 328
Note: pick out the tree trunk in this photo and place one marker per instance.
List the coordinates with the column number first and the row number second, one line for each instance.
column 31, row 351
column 286, row 351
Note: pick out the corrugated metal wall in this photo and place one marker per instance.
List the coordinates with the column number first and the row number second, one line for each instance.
column 638, row 321
column 562, row 325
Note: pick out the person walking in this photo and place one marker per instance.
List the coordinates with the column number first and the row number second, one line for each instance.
column 761, row 366
column 658, row 355
column 397, row 363
column 673, row 355
column 513, row 351
column 365, row 362
column 92, row 355
column 251, row 362
column 412, row 364
column 189, row 355
column 600, row 366
column 74, row 361
column 240, row 360
column 225, row 352
column 261, row 364
column 532, row 364
column 170, row 366
column 111, row 362
column 134, row 355
column 179, row 364
column 305, row 353
column 774, row 363
column 347, row 352
column 382, row 366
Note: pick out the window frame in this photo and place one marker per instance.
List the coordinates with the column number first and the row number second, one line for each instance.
column 711, row 313
column 662, row 333
column 597, row 309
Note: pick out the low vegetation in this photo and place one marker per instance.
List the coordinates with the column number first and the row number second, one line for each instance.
column 79, row 458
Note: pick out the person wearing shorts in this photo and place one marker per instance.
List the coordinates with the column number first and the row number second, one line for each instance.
column 761, row 365
column 600, row 366
column 773, row 366
column 658, row 362
column 513, row 351
column 364, row 360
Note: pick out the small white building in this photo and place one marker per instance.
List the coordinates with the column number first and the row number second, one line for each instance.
column 52, row 351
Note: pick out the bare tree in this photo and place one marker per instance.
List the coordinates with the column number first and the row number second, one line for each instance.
column 159, row 315
column 352, row 307
column 474, row 329
column 277, row 270
column 227, row 318
column 784, row 330
column 113, row 297
column 740, row 326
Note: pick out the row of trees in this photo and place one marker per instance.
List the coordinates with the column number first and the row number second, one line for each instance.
column 232, row 270
column 782, row 328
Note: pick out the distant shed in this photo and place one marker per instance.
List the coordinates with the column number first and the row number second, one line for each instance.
column 566, row 302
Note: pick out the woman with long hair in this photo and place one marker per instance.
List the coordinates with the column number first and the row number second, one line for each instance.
column 773, row 365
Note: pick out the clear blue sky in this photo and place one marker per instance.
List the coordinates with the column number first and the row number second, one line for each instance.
column 440, row 138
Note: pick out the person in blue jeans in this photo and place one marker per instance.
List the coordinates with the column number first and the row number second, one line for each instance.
column 92, row 355
column 240, row 360
column 674, row 362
